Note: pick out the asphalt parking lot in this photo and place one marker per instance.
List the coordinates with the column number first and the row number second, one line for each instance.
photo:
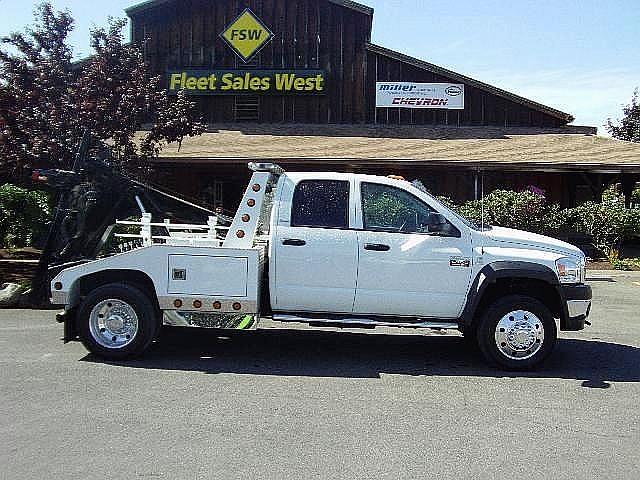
column 290, row 404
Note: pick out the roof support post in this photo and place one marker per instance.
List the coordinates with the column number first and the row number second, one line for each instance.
column 476, row 185
column 628, row 186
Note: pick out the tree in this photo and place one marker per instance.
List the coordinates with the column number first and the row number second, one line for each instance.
column 37, row 105
column 47, row 101
column 629, row 127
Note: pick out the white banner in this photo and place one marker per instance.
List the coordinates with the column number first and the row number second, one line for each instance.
column 448, row 96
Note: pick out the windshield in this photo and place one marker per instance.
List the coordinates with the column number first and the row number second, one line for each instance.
column 472, row 225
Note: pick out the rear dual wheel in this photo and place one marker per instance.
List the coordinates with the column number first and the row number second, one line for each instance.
column 117, row 321
column 517, row 333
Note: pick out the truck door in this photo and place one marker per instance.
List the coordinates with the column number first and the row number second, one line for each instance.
column 413, row 262
column 315, row 251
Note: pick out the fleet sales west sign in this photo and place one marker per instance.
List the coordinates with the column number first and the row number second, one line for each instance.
column 254, row 82
column 446, row 96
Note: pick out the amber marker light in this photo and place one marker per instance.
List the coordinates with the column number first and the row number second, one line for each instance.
column 237, row 306
column 257, row 188
column 246, row 218
column 177, row 303
column 251, row 202
column 240, row 234
column 217, row 305
column 197, row 304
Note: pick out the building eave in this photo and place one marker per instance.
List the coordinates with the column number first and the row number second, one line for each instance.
column 485, row 166
column 469, row 81
column 507, row 149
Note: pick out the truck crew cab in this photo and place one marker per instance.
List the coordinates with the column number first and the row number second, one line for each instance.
column 332, row 249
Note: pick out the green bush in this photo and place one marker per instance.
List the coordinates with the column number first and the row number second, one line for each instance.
column 608, row 223
column 527, row 210
column 24, row 215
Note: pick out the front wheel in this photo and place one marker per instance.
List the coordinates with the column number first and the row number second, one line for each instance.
column 517, row 333
column 117, row 321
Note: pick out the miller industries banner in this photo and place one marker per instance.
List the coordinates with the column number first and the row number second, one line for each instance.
column 447, row 96
column 254, row 82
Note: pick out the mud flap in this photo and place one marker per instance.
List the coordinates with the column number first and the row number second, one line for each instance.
column 68, row 319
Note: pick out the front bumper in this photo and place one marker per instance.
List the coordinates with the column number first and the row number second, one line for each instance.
column 578, row 301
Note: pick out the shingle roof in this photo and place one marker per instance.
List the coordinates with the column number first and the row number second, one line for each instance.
column 564, row 149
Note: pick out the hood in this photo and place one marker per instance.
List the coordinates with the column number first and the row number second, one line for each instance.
column 527, row 239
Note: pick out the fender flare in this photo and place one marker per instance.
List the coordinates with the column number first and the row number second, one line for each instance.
column 507, row 269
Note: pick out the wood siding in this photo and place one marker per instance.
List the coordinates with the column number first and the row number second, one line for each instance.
column 309, row 34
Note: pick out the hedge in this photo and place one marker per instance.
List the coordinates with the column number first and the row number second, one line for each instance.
column 607, row 223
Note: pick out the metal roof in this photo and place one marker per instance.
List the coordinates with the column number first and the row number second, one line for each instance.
column 154, row 3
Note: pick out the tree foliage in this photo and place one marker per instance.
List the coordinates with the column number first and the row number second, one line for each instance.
column 629, row 127
column 47, row 101
column 608, row 223
column 37, row 106
column 25, row 216
column 525, row 210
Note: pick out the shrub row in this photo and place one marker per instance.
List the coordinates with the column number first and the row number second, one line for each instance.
column 607, row 223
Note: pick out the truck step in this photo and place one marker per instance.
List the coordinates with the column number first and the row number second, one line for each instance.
column 358, row 322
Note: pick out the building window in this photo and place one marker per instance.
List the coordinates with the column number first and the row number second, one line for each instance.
column 321, row 204
column 246, row 108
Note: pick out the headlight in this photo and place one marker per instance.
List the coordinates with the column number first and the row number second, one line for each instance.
column 570, row 270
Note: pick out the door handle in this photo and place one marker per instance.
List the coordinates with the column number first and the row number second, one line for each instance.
column 377, row 247
column 294, row 242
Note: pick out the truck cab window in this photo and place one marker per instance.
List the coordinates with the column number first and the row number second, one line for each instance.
column 391, row 209
column 321, row 204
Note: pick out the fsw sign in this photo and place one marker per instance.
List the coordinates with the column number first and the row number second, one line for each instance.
column 446, row 96
column 247, row 35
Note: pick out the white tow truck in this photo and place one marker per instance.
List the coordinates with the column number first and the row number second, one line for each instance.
column 332, row 249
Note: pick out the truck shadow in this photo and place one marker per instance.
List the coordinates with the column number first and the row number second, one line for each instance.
column 360, row 355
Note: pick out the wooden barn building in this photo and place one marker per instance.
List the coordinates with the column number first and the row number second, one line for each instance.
column 300, row 83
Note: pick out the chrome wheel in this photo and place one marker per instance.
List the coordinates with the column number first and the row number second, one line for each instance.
column 519, row 335
column 113, row 324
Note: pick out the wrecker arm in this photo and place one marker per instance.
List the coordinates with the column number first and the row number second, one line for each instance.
column 89, row 200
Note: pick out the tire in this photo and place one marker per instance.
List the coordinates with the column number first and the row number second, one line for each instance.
column 517, row 333
column 117, row 321
column 470, row 339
